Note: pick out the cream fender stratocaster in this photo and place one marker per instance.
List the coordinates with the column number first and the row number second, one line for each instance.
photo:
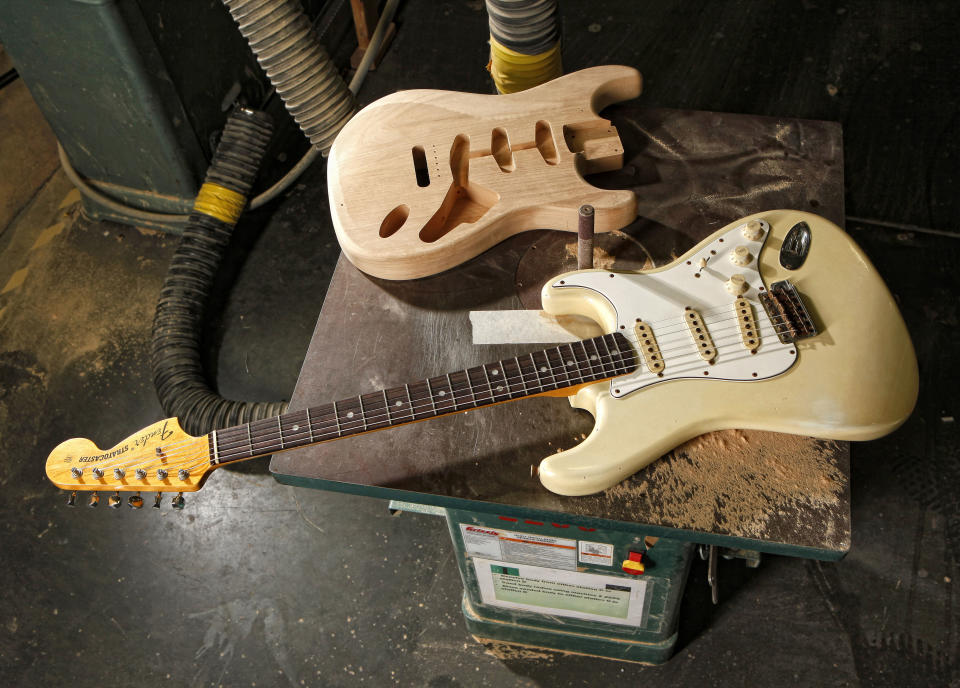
column 421, row 181
column 776, row 322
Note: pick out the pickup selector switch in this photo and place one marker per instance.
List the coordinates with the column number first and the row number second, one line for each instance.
column 753, row 230
column 741, row 256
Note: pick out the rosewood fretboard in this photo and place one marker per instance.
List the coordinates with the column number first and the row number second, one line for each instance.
column 567, row 365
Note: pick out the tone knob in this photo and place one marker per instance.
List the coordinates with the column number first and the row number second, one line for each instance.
column 156, row 500
column 177, row 502
column 135, row 501
column 753, row 230
column 114, row 501
column 94, row 500
column 737, row 284
column 741, row 256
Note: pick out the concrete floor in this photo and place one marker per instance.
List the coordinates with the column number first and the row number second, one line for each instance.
column 259, row 584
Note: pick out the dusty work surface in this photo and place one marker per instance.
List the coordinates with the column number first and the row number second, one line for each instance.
column 693, row 173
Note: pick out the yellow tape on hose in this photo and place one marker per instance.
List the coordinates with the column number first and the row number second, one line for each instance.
column 513, row 71
column 220, row 202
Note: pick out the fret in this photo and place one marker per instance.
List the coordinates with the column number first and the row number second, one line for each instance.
column 213, row 449
column 536, row 371
column 280, row 427
column 395, row 400
column 473, row 395
column 263, row 440
column 460, row 382
column 523, row 379
column 291, row 430
column 325, row 429
column 486, row 374
column 442, row 397
column 453, row 392
column 589, row 364
column 478, row 377
column 249, row 438
column 374, row 416
column 609, row 363
column 542, row 362
column 413, row 413
column 495, row 377
column 336, row 417
column 386, row 405
column 433, row 402
column 350, row 422
column 513, row 379
column 421, row 392
column 555, row 359
column 309, row 425
column 570, row 366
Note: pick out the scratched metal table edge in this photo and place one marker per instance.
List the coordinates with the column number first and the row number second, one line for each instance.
column 445, row 502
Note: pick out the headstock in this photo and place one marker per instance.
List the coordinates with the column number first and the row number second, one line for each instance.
column 159, row 458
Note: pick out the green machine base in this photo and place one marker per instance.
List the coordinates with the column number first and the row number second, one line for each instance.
column 566, row 586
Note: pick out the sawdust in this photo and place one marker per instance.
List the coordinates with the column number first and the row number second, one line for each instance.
column 505, row 652
column 82, row 301
column 601, row 259
column 737, row 481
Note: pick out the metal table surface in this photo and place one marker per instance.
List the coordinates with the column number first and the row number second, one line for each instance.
column 693, row 172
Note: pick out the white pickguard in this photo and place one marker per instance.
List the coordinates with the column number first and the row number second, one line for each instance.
column 660, row 299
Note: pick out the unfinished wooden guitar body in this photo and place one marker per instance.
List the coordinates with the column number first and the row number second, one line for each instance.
column 421, row 181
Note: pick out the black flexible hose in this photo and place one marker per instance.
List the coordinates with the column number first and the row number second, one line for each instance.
column 177, row 371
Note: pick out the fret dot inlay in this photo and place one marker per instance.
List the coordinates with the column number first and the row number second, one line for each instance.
column 494, row 372
column 569, row 363
column 543, row 369
column 398, row 403
column 349, row 414
column 442, row 393
column 296, row 427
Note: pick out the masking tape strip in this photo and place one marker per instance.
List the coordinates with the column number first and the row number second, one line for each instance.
column 220, row 202
column 529, row 327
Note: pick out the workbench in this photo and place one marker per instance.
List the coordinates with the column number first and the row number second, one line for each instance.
column 749, row 492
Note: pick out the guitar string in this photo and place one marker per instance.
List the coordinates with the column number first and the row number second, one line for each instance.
column 230, row 449
column 593, row 370
column 327, row 433
column 168, row 454
column 663, row 336
column 225, row 448
column 376, row 419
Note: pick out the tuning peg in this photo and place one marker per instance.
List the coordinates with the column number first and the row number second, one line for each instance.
column 97, row 472
column 161, row 474
column 141, row 474
column 114, row 501
column 135, row 501
column 156, row 500
column 94, row 499
column 76, row 472
column 118, row 473
column 183, row 474
column 178, row 501
column 72, row 499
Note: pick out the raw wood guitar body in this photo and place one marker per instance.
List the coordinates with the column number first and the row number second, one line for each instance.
column 421, row 181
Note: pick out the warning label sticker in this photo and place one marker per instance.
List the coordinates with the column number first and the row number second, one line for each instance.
column 520, row 548
column 588, row 596
column 597, row 553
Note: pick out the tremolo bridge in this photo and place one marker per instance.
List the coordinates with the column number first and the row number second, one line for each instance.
column 790, row 318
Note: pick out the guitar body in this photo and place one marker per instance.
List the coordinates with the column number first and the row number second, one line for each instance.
column 422, row 180
column 855, row 379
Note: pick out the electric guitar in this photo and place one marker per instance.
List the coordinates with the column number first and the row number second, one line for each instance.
column 776, row 322
column 421, row 181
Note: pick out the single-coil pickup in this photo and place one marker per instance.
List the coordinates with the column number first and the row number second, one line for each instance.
column 749, row 334
column 701, row 338
column 648, row 347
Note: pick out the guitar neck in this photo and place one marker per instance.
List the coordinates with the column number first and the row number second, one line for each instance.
column 541, row 372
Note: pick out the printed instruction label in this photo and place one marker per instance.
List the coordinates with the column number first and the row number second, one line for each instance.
column 588, row 596
column 596, row 553
column 520, row 548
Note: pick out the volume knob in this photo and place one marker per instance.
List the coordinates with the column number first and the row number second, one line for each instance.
column 753, row 230
column 740, row 256
column 736, row 285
